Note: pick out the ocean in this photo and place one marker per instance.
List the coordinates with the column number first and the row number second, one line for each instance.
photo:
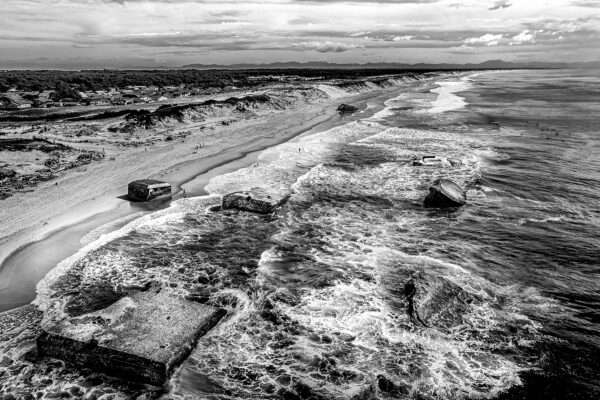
column 315, row 293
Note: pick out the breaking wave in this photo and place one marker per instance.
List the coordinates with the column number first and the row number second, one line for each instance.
column 315, row 292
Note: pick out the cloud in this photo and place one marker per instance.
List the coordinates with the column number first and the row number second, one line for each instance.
column 462, row 49
column 523, row 37
column 276, row 30
column 356, row 34
column 488, row 40
column 405, row 37
column 586, row 3
column 589, row 23
column 500, row 4
column 370, row 1
column 327, row 46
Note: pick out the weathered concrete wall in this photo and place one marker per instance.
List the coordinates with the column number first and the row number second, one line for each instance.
column 102, row 359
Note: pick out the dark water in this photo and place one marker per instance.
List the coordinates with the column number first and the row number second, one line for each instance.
column 315, row 293
column 543, row 224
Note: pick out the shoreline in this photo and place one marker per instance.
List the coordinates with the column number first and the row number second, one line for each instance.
column 40, row 247
column 103, row 196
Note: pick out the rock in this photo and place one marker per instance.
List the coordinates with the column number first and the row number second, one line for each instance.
column 445, row 193
column 433, row 301
column 455, row 162
column 142, row 337
column 6, row 173
column 203, row 278
column 254, row 200
column 385, row 385
column 347, row 108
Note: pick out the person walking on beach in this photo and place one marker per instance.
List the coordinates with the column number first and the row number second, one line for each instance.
column 184, row 194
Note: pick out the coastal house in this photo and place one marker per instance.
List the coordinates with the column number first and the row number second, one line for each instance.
column 13, row 101
column 68, row 102
column 98, row 101
column 44, row 99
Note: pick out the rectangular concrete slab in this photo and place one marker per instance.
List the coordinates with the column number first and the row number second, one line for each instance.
column 142, row 337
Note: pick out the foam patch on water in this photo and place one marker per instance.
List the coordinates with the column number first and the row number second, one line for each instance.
column 357, row 226
column 447, row 100
column 448, row 365
column 279, row 167
column 51, row 304
column 109, row 227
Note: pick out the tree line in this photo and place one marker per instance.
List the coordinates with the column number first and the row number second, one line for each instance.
column 67, row 82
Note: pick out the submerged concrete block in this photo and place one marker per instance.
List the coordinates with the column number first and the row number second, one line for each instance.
column 434, row 301
column 147, row 189
column 254, row 200
column 143, row 337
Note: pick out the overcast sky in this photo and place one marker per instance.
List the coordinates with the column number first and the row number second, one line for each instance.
column 134, row 33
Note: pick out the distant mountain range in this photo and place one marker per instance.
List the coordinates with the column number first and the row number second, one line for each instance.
column 491, row 64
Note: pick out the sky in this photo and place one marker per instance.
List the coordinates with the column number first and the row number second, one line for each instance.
column 77, row 34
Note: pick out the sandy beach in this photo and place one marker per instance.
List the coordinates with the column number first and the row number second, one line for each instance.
column 39, row 228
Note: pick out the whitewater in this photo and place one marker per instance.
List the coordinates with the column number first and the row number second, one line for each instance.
column 314, row 293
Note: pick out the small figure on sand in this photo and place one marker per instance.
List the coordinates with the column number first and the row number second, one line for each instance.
column 184, row 194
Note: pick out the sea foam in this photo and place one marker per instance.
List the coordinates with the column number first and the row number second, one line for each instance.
column 447, row 100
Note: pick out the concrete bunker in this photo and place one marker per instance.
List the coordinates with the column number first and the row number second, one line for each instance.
column 445, row 193
column 142, row 337
column 254, row 200
column 147, row 189
column 347, row 108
